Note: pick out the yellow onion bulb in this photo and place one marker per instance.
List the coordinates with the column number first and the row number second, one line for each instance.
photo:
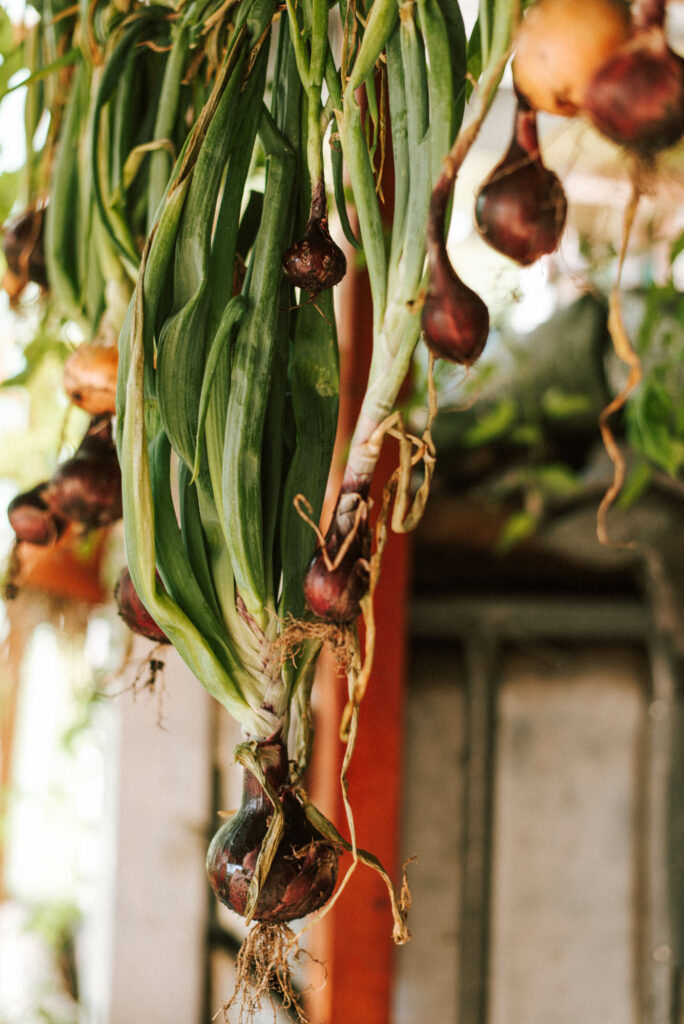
column 90, row 377
column 560, row 45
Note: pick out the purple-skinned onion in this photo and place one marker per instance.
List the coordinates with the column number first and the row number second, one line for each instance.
column 315, row 262
column 133, row 611
column 304, row 870
column 86, row 488
column 636, row 98
column 31, row 518
column 22, row 243
column 521, row 208
column 335, row 594
column 454, row 318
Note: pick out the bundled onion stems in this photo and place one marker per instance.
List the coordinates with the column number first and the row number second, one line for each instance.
column 168, row 221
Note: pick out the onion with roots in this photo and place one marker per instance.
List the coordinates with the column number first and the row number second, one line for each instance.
column 560, row 45
column 133, row 611
column 315, row 262
column 636, row 97
column 335, row 593
column 87, row 487
column 303, row 873
column 520, row 210
column 32, row 519
column 90, row 377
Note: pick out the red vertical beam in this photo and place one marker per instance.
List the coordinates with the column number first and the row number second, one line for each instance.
column 355, row 938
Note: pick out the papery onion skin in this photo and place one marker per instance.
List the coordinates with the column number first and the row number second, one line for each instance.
column 560, row 45
column 521, row 208
column 304, row 870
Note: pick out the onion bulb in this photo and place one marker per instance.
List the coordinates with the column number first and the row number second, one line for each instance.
column 22, row 243
column 636, row 97
column 454, row 318
column 90, row 377
column 315, row 262
column 87, row 487
column 302, row 875
column 335, row 594
column 133, row 611
column 31, row 518
column 521, row 208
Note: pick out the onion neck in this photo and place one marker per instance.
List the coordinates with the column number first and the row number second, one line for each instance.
column 272, row 754
column 434, row 235
column 648, row 14
column 525, row 137
column 319, row 204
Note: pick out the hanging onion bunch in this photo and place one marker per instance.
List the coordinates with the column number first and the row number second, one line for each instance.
column 606, row 61
column 227, row 390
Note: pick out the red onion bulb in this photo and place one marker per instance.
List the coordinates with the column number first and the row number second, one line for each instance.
column 521, row 208
column 133, row 611
column 315, row 262
column 636, row 98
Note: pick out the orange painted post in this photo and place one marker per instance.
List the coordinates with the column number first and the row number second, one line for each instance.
column 355, row 939
column 69, row 569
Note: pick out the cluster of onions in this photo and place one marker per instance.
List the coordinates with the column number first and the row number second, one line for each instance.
column 85, row 489
column 520, row 211
column 591, row 57
column 614, row 65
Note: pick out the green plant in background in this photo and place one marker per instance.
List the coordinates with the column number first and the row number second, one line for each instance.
column 654, row 416
column 537, row 397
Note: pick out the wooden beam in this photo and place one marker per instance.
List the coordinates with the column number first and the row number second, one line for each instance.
column 481, row 657
column 355, row 939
